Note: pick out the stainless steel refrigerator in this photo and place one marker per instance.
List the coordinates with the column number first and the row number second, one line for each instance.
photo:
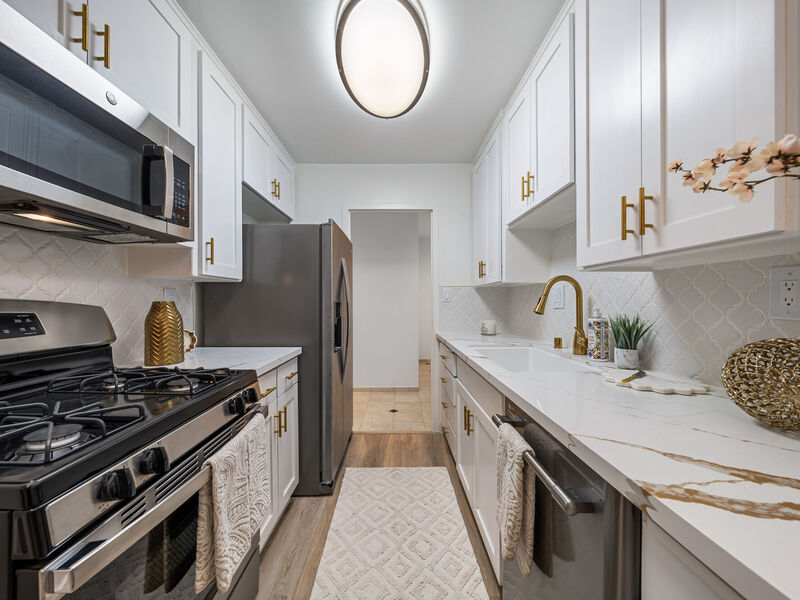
column 296, row 290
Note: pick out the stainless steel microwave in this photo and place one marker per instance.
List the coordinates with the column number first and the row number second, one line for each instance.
column 80, row 158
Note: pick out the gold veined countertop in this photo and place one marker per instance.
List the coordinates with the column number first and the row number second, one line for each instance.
column 718, row 481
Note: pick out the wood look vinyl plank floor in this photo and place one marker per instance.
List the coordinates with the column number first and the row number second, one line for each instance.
column 291, row 558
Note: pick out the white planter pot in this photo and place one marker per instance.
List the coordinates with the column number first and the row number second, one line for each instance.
column 626, row 359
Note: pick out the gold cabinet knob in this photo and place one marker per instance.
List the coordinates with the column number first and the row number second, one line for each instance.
column 445, row 405
column 444, row 379
column 443, row 356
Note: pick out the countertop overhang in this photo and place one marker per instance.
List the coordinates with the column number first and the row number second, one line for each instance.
column 718, row 481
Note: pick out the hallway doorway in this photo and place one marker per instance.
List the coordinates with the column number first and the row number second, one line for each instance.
column 392, row 329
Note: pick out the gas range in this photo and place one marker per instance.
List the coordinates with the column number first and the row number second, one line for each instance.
column 84, row 443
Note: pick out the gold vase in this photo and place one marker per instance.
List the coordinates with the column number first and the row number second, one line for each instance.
column 163, row 334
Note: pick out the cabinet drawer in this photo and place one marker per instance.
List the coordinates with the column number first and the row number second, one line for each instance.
column 268, row 386
column 489, row 399
column 447, row 395
column 448, row 358
column 287, row 376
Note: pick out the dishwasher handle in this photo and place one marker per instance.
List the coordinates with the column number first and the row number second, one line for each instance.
column 567, row 503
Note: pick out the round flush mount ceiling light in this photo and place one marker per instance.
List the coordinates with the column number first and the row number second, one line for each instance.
column 383, row 54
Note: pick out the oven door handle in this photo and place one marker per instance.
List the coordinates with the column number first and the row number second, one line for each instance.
column 567, row 503
column 97, row 550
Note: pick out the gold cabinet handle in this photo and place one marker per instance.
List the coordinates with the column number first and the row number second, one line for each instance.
column 83, row 13
column 291, row 375
column 445, row 405
column 443, row 356
column 524, row 193
column 444, row 379
column 285, row 418
column 643, row 224
column 106, row 35
column 445, row 430
column 279, row 190
column 267, row 393
column 274, row 187
column 528, row 182
column 625, row 206
column 468, row 422
column 481, row 269
column 279, row 430
column 210, row 256
column 465, row 418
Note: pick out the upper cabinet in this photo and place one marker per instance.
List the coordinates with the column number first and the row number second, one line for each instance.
column 645, row 109
column 259, row 152
column 283, row 184
column 487, row 214
column 66, row 21
column 220, row 181
column 540, row 142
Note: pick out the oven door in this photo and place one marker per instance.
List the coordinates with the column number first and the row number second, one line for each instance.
column 80, row 158
column 146, row 550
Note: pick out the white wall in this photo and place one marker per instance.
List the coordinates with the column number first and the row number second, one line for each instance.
column 424, row 296
column 331, row 191
column 385, row 299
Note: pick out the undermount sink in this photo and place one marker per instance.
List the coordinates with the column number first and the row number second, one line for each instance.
column 527, row 359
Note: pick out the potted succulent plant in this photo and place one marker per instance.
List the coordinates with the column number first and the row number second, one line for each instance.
column 628, row 332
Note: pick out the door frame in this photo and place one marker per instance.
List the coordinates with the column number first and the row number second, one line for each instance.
column 410, row 207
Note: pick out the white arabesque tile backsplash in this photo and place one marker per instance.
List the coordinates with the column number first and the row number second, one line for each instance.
column 701, row 313
column 38, row 266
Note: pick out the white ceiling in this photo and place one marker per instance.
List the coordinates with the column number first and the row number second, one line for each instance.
column 282, row 54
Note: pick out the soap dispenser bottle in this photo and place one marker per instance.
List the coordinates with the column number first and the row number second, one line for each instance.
column 597, row 336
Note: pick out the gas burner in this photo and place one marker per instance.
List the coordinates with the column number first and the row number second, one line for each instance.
column 183, row 384
column 113, row 384
column 57, row 436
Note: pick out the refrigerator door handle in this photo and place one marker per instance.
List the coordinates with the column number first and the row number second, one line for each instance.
column 346, row 280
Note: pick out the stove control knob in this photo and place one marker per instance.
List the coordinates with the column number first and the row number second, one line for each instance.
column 154, row 461
column 116, row 485
column 250, row 395
column 236, row 405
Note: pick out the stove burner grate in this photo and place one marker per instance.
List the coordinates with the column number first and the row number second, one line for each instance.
column 142, row 380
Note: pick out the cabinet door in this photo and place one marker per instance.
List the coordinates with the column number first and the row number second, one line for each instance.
column 62, row 20
column 614, row 132
column 288, row 448
column 518, row 126
column 552, row 105
column 284, row 175
column 258, row 156
column 479, row 223
column 220, row 178
column 485, row 493
column 465, row 462
column 274, row 510
column 149, row 57
column 680, row 124
column 493, row 210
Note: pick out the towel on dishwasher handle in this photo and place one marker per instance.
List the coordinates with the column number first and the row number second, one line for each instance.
column 233, row 504
column 515, row 497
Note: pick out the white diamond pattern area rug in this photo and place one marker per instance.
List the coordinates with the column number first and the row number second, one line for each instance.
column 398, row 533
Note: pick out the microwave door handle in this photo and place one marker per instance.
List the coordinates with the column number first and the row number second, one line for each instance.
column 96, row 551
column 169, row 182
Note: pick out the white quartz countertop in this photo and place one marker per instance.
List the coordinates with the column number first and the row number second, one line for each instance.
column 721, row 483
column 258, row 359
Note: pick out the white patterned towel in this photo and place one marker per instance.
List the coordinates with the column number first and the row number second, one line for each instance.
column 515, row 497
column 232, row 505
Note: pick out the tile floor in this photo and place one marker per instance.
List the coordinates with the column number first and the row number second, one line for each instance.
column 372, row 411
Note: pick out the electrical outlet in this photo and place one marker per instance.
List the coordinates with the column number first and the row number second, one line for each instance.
column 785, row 293
column 557, row 295
column 170, row 294
column 446, row 295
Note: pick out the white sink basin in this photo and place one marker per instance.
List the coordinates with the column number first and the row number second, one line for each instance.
column 526, row 359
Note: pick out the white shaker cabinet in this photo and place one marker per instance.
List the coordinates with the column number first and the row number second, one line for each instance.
column 657, row 84
column 257, row 158
column 485, row 492
column 288, row 457
column 479, row 234
column 219, row 196
column 144, row 48
column 487, row 214
column 66, row 21
column 465, row 461
column 518, row 155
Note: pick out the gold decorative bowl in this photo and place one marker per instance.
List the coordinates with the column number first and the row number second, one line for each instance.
column 763, row 379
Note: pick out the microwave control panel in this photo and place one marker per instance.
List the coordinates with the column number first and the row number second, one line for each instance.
column 181, row 212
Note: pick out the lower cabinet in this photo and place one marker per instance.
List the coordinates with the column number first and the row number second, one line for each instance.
column 284, row 449
column 477, row 469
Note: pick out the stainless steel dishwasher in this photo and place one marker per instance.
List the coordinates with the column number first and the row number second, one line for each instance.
column 587, row 536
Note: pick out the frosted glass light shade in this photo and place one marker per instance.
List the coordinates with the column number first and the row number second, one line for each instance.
column 383, row 55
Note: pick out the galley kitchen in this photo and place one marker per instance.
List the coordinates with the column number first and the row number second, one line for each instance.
column 404, row 299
